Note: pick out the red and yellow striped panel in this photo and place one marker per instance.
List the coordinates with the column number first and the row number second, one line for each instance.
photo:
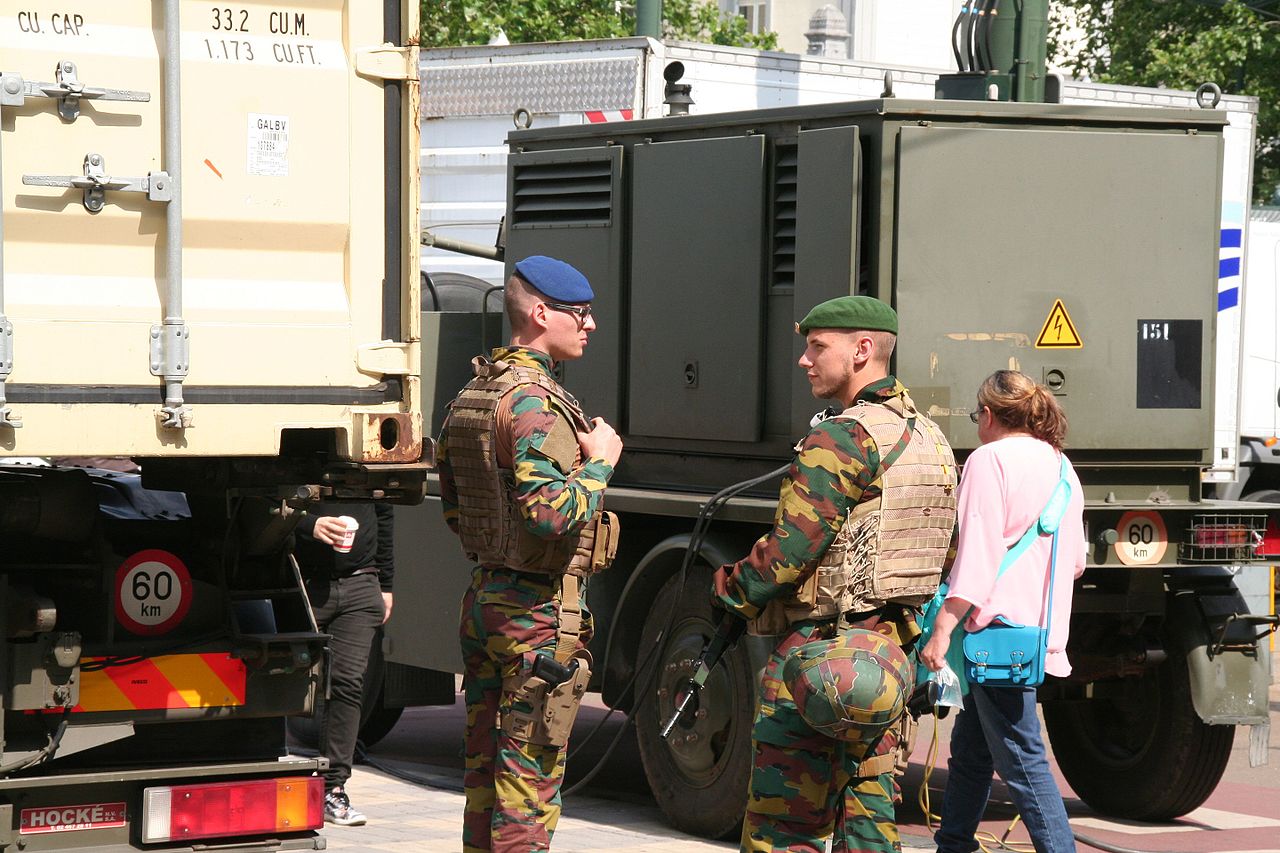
column 168, row 681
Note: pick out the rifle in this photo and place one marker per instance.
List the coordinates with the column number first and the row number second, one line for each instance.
column 728, row 629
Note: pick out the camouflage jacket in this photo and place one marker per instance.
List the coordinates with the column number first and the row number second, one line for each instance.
column 554, row 503
column 837, row 466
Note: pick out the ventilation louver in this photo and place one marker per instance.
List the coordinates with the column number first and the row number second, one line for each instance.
column 556, row 194
column 784, row 216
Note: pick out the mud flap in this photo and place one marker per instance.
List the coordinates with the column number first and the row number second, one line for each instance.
column 1226, row 660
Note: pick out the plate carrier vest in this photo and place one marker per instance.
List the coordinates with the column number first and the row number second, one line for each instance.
column 490, row 525
column 891, row 548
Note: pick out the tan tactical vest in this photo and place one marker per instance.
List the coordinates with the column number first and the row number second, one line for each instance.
column 490, row 525
column 890, row 548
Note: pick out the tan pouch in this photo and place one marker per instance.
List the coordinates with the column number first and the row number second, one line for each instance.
column 605, row 547
column 770, row 621
column 552, row 710
column 906, row 742
column 807, row 593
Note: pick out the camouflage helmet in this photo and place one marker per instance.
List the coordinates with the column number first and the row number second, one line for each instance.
column 851, row 687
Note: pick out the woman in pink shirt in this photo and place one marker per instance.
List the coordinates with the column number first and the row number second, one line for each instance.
column 1006, row 483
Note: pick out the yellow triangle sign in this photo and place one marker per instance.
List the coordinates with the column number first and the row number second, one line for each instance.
column 1058, row 331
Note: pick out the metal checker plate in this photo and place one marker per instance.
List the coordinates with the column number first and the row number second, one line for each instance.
column 540, row 87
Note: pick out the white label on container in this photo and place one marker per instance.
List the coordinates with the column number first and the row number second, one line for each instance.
column 268, row 145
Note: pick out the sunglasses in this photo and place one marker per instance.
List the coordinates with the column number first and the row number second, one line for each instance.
column 581, row 311
column 973, row 416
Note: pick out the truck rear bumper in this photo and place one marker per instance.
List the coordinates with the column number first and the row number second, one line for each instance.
column 103, row 796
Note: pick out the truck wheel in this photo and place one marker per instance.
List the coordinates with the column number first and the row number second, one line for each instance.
column 1142, row 754
column 1264, row 496
column 699, row 776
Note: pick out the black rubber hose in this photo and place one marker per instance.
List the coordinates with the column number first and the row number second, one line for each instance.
column 700, row 527
column 971, row 21
column 1110, row 848
column 955, row 39
column 431, row 288
column 986, row 38
column 982, row 37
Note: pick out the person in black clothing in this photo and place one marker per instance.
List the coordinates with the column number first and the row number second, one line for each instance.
column 351, row 596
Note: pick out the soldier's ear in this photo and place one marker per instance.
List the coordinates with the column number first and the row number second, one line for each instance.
column 864, row 348
column 538, row 315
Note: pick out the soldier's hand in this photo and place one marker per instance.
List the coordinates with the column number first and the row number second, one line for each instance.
column 602, row 442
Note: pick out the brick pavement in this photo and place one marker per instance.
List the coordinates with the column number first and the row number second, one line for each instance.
column 405, row 817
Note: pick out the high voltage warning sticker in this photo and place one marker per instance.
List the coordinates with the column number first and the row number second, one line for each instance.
column 1058, row 331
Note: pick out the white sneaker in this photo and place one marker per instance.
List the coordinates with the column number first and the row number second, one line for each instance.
column 338, row 809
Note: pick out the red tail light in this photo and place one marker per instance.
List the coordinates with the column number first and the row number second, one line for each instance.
column 222, row 809
column 1270, row 546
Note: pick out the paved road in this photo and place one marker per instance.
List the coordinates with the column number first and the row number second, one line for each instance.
column 617, row 812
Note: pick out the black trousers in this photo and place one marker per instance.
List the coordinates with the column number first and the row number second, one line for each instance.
column 349, row 610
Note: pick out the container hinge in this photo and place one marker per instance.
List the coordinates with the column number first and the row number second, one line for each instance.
column 387, row 358
column 388, row 62
column 7, row 417
column 68, row 91
column 95, row 182
column 170, row 359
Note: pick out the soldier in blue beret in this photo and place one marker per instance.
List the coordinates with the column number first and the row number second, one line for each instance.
column 527, row 505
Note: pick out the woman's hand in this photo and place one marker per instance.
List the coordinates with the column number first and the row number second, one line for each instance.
column 934, row 655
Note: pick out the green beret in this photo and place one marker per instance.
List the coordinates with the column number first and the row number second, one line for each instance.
column 864, row 313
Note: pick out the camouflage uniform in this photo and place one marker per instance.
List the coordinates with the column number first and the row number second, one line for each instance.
column 806, row 786
column 508, row 617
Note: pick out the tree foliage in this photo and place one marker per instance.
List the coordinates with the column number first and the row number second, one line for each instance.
column 1181, row 44
column 457, row 22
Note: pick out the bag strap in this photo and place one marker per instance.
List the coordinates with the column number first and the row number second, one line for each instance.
column 1045, row 524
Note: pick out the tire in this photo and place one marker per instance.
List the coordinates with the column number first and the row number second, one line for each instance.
column 455, row 291
column 376, row 720
column 1142, row 754
column 1264, row 496
column 699, row 777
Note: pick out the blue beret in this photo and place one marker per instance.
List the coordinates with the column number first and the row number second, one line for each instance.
column 555, row 279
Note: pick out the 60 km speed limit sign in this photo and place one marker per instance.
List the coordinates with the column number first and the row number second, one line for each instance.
column 153, row 592
column 1142, row 538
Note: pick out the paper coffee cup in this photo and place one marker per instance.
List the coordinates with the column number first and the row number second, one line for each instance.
column 349, row 536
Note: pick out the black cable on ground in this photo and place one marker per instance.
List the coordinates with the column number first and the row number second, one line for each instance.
column 1111, row 848
column 700, row 527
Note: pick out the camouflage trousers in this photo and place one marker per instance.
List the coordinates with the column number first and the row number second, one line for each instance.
column 806, row 787
column 512, row 787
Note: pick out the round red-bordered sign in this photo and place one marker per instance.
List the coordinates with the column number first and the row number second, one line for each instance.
column 153, row 592
column 1142, row 538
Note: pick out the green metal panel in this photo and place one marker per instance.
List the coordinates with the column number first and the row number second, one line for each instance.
column 567, row 204
column 430, row 567
column 994, row 225
column 697, row 298
column 827, row 202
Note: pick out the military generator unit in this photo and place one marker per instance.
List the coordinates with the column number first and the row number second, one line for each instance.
column 209, row 266
column 1077, row 243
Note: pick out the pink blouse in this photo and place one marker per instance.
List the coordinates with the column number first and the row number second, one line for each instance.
column 1005, row 485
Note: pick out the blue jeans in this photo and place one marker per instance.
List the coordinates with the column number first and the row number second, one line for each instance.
column 998, row 730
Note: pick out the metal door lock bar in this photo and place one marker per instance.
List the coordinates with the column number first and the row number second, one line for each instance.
column 68, row 91
column 95, row 182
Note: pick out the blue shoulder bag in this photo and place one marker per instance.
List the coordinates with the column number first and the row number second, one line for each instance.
column 1004, row 654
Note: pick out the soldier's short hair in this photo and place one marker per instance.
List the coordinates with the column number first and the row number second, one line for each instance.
column 518, row 299
column 885, row 342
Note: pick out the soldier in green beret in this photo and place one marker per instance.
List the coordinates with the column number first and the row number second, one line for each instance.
column 862, row 529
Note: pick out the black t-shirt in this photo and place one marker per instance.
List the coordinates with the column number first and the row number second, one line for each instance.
column 372, row 546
